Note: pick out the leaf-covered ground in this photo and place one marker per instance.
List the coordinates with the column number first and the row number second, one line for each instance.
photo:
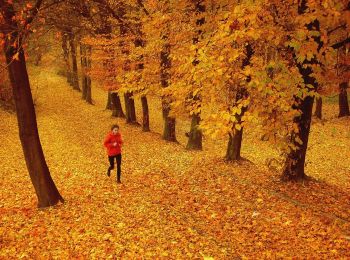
column 173, row 203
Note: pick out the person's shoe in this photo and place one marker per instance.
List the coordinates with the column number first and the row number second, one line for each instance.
column 118, row 181
column 108, row 172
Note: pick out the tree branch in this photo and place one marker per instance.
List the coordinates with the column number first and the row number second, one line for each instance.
column 52, row 4
column 114, row 14
column 342, row 26
column 341, row 44
column 35, row 11
column 140, row 3
column 7, row 11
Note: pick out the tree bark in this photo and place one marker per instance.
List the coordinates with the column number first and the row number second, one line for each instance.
column 195, row 135
column 130, row 113
column 73, row 49
column 145, row 114
column 89, row 92
column 139, row 42
column 44, row 186
column 343, row 100
column 169, row 133
column 318, row 111
column 293, row 169
column 88, row 78
column 233, row 152
column 65, row 49
column 194, row 141
column 83, row 62
column 109, row 104
column 105, row 31
column 117, row 110
column 130, row 108
column 295, row 161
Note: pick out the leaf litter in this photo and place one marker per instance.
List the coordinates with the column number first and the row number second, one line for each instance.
column 173, row 203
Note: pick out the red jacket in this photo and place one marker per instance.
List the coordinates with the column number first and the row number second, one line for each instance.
column 113, row 144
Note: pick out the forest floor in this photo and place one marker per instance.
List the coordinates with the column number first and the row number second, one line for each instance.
column 173, row 203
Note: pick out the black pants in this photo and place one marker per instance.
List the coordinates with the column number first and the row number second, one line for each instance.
column 118, row 158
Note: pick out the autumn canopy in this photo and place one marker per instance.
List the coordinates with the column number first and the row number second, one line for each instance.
column 234, row 129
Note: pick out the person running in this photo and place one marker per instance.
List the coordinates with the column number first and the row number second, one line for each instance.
column 113, row 142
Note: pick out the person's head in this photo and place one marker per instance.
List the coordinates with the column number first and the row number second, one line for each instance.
column 115, row 129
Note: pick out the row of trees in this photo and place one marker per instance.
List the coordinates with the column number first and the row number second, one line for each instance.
column 227, row 65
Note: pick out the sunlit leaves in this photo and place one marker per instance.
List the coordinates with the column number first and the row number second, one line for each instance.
column 208, row 73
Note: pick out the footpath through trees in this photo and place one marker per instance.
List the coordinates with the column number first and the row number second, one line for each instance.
column 173, row 202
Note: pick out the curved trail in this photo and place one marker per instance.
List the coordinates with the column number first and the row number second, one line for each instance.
column 172, row 204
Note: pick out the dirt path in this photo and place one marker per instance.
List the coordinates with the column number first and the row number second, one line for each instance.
column 173, row 203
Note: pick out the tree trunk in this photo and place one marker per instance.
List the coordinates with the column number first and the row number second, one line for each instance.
column 65, row 49
column 109, row 104
column 73, row 49
column 295, row 161
column 194, row 141
column 88, row 91
column 318, row 111
column 38, row 59
column 145, row 114
column 117, row 110
column 343, row 100
column 44, row 186
column 88, row 78
column 233, row 152
column 83, row 62
column 139, row 42
column 169, row 132
column 195, row 135
column 130, row 108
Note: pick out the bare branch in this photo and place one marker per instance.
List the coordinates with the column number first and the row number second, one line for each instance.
column 341, row 44
column 140, row 3
column 342, row 26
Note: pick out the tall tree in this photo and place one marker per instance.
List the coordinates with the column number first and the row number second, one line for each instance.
column 88, row 78
column 341, row 34
column 83, row 65
column 65, row 49
column 195, row 134
column 130, row 112
column 169, row 133
column 117, row 110
column 104, row 30
column 73, row 52
column 318, row 110
column 13, row 30
column 344, row 71
column 343, row 100
column 295, row 162
column 85, row 56
column 140, row 43
column 233, row 152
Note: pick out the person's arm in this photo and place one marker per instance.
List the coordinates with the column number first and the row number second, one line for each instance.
column 107, row 142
